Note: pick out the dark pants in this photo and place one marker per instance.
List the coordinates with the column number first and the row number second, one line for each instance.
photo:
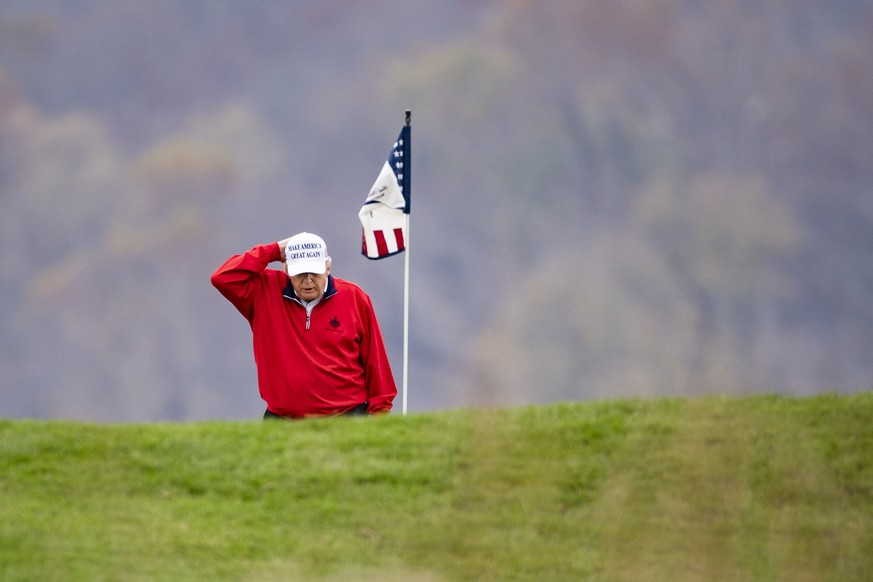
column 360, row 410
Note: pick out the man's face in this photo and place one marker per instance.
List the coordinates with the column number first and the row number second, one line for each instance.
column 309, row 286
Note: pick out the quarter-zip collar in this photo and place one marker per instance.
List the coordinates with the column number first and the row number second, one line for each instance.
column 308, row 306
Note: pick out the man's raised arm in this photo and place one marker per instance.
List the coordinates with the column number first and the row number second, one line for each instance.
column 237, row 277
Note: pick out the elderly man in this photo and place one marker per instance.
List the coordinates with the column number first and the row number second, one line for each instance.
column 317, row 345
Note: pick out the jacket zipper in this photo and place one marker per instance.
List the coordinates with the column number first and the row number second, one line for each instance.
column 309, row 311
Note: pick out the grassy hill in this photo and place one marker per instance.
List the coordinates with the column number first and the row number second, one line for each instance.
column 750, row 488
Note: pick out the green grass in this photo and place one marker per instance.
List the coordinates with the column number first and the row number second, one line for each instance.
column 751, row 488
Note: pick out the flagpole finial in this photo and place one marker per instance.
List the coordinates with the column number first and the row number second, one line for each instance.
column 408, row 116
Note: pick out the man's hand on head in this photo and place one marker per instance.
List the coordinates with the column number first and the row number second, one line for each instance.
column 282, row 244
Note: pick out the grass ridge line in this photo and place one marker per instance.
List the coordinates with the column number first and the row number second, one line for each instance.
column 746, row 488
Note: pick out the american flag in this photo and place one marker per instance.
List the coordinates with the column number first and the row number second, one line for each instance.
column 383, row 214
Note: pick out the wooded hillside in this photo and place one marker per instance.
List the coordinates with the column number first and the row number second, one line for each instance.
column 610, row 198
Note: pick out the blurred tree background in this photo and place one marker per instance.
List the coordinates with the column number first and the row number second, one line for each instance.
column 612, row 197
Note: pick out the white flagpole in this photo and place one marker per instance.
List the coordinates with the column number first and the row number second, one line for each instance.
column 407, row 172
column 406, row 316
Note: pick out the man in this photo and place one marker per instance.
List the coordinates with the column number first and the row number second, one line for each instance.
column 317, row 345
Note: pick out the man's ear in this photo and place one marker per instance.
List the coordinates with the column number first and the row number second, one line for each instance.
column 327, row 263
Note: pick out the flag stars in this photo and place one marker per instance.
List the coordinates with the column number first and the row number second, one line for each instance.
column 398, row 161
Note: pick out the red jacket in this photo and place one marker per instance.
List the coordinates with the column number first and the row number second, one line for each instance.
column 327, row 365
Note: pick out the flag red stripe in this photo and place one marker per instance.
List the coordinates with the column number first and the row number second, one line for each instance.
column 381, row 245
column 398, row 236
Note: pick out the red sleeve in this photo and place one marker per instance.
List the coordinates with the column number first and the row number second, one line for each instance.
column 381, row 389
column 239, row 276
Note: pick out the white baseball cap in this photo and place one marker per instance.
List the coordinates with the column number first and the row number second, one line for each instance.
column 306, row 253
